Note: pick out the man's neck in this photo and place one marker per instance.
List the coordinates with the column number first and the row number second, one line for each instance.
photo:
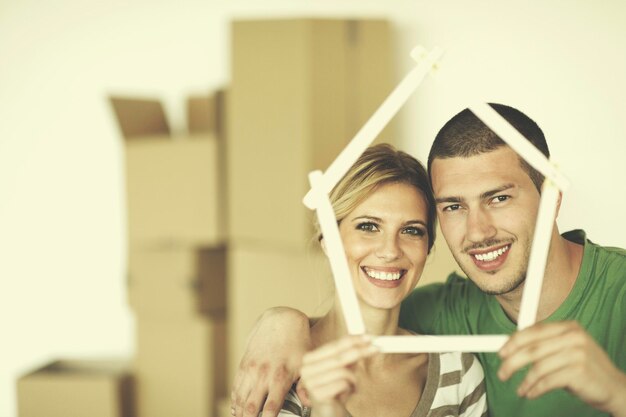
column 562, row 267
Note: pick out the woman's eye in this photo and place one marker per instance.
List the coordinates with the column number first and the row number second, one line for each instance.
column 414, row 231
column 367, row 227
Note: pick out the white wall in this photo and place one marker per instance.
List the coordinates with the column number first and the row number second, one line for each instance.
column 62, row 225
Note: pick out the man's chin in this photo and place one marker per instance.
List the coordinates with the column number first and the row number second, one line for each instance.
column 486, row 281
column 507, row 288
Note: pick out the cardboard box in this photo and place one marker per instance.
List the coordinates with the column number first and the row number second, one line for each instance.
column 175, row 184
column 301, row 89
column 173, row 191
column 180, row 367
column 177, row 282
column 261, row 277
column 94, row 388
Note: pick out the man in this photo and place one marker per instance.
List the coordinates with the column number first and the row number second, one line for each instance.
column 572, row 363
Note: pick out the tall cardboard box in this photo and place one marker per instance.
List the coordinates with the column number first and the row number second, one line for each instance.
column 177, row 281
column 261, row 277
column 301, row 89
column 94, row 388
column 180, row 366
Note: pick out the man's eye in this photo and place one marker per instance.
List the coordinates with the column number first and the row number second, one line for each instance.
column 452, row 207
column 414, row 231
column 367, row 227
column 500, row 198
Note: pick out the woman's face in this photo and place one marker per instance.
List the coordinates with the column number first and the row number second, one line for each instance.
column 386, row 244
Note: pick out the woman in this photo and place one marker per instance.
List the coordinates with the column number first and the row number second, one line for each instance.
column 386, row 216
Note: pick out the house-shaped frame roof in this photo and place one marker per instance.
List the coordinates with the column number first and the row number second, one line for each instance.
column 322, row 183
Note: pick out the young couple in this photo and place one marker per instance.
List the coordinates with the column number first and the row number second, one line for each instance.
column 571, row 363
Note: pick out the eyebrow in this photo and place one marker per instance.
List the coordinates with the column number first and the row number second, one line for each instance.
column 379, row 220
column 485, row 195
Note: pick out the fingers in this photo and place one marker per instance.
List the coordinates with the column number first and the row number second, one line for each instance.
column 244, row 399
column 254, row 402
column 259, row 389
column 535, row 333
column 329, row 386
column 530, row 353
column 562, row 355
column 241, row 391
column 327, row 372
column 326, row 393
column 551, row 373
column 342, row 352
column 312, row 383
column 271, row 362
column 279, row 386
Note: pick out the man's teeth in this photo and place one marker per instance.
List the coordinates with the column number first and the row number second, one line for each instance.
column 385, row 276
column 490, row 256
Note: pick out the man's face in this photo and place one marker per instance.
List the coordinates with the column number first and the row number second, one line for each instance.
column 487, row 208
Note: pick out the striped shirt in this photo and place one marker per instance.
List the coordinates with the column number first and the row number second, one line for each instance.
column 455, row 387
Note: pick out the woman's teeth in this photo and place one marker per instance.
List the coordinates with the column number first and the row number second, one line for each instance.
column 384, row 276
column 490, row 256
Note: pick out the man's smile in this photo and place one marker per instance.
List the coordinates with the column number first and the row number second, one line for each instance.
column 490, row 259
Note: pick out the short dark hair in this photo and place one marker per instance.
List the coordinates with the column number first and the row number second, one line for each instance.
column 466, row 135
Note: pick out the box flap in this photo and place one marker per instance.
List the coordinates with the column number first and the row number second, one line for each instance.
column 139, row 117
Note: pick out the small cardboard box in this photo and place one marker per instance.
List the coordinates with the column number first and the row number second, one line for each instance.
column 262, row 277
column 173, row 190
column 177, row 282
column 180, row 367
column 174, row 185
column 301, row 89
column 94, row 388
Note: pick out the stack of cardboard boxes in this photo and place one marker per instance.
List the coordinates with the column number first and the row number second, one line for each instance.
column 300, row 90
column 176, row 257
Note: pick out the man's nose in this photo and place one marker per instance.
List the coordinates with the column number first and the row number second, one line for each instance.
column 479, row 226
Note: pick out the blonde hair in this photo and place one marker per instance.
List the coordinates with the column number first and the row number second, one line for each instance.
column 378, row 165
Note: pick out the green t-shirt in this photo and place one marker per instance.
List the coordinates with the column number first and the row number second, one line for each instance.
column 597, row 301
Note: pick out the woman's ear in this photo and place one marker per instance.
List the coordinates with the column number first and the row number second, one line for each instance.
column 558, row 205
column 323, row 245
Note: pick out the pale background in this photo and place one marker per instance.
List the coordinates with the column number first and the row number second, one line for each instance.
column 62, row 208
